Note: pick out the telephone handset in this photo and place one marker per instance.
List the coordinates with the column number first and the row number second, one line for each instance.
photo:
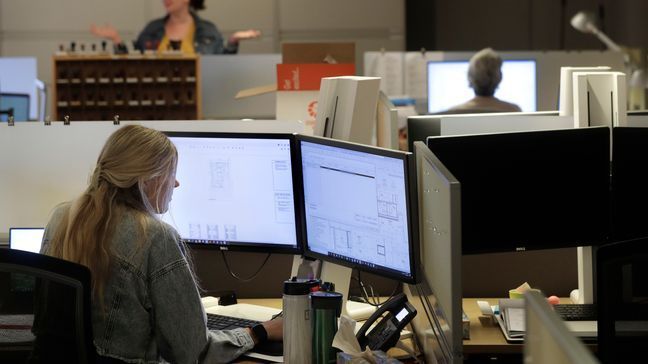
column 386, row 333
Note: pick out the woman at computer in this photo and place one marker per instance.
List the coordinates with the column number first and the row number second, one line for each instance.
column 145, row 301
column 180, row 29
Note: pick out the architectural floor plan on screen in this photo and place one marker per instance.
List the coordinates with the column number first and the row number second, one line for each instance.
column 358, row 211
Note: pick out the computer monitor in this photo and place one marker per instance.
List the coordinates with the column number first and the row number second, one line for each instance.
column 359, row 207
column 17, row 103
column 566, row 94
column 386, row 123
column 629, row 181
column 27, row 239
column 530, row 190
column 236, row 192
column 547, row 339
column 448, row 84
column 599, row 99
column 346, row 108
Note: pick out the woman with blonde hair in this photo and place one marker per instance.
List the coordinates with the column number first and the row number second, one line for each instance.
column 145, row 303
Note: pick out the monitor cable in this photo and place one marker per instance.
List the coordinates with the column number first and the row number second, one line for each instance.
column 241, row 279
column 376, row 301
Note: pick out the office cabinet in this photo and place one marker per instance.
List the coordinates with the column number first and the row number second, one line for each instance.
column 140, row 87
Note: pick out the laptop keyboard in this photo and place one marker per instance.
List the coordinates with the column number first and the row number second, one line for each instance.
column 220, row 322
column 580, row 312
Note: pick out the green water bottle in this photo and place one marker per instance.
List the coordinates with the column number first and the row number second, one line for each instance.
column 325, row 310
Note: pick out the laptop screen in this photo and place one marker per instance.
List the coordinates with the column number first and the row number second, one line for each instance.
column 27, row 239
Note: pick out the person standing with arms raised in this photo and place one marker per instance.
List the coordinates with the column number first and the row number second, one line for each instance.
column 180, row 29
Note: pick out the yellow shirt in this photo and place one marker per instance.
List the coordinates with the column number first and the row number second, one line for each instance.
column 186, row 47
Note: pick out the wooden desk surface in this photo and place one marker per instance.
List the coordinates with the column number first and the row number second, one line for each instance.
column 487, row 339
column 266, row 302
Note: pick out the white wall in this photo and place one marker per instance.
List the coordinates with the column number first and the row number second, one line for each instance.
column 36, row 27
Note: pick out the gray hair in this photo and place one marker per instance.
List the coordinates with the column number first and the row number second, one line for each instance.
column 484, row 72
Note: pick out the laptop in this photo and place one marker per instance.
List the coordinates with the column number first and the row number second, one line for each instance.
column 27, row 239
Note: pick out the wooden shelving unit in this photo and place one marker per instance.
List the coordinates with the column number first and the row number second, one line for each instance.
column 135, row 87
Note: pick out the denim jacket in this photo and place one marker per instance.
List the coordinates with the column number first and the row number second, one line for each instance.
column 152, row 310
column 207, row 38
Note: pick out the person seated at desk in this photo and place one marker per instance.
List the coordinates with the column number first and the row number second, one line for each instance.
column 484, row 75
column 180, row 29
column 145, row 302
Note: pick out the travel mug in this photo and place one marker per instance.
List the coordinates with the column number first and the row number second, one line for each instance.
column 296, row 320
column 325, row 310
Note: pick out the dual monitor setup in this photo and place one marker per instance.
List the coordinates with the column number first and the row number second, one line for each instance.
column 344, row 203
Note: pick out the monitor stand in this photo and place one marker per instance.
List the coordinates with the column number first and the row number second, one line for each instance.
column 338, row 275
column 305, row 268
column 585, row 292
column 341, row 277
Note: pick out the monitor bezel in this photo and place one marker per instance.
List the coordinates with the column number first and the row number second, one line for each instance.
column 411, row 201
column 255, row 247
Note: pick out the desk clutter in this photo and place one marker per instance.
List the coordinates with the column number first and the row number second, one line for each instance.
column 141, row 87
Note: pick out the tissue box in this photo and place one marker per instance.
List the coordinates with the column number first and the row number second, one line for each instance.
column 380, row 356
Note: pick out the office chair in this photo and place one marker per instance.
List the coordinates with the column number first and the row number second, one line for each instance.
column 45, row 308
column 622, row 299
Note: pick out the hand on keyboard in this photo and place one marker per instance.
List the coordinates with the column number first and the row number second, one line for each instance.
column 220, row 322
column 274, row 328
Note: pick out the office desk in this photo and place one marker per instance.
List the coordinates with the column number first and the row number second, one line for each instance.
column 488, row 339
column 277, row 303
column 483, row 339
column 266, row 302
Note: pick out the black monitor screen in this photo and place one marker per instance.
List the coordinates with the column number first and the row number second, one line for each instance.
column 357, row 207
column 629, row 183
column 236, row 191
column 530, row 190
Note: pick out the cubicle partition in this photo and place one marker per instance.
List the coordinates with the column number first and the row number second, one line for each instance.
column 421, row 127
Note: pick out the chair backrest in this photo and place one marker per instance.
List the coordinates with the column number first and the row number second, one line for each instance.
column 45, row 306
column 622, row 299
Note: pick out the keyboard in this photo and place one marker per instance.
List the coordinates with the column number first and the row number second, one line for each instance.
column 581, row 312
column 220, row 322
